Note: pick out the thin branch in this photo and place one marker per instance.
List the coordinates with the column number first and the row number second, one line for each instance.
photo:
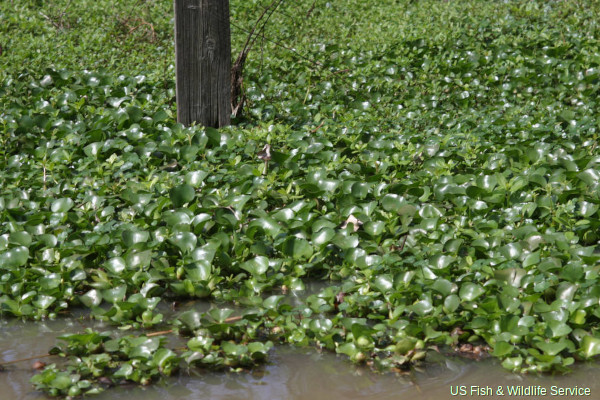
column 311, row 9
column 317, row 128
column 403, row 242
column 159, row 333
column 278, row 44
column 25, row 359
column 237, row 78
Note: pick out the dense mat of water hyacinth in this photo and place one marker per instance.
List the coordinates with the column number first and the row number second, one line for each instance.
column 435, row 164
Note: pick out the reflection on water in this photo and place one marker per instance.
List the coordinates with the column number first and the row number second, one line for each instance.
column 297, row 374
column 19, row 340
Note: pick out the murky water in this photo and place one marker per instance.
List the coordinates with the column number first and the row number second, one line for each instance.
column 292, row 373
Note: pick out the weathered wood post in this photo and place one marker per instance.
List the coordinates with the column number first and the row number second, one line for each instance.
column 203, row 62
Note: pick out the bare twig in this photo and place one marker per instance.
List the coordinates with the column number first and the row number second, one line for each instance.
column 234, row 319
column 59, row 20
column 279, row 44
column 131, row 24
column 403, row 242
column 159, row 333
column 317, row 128
column 25, row 359
column 44, row 177
column 311, row 9
column 341, row 71
column 238, row 96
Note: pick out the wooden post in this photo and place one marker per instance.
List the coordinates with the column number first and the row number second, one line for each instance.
column 203, row 62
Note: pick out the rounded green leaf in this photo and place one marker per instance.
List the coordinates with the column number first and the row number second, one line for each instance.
column 323, row 236
column 430, row 211
column 267, row 224
column 199, row 271
column 115, row 265
column 192, row 319
column 195, row 178
column 16, row 257
column 551, row 348
column 470, row 291
column 92, row 298
column 115, row 294
column 441, row 261
column 502, row 349
column 44, row 301
column 92, row 149
column 62, row 205
column 139, row 259
column 451, row 303
column 374, row 228
column 345, row 242
column 182, row 194
column 257, row 266
column 360, row 190
column 297, row 248
column 185, row 241
column 512, row 363
column 392, row 202
column 131, row 238
column 422, row 307
column 367, row 261
column 587, row 209
column 590, row 346
column 384, row 283
column 220, row 314
column 443, row 286
column 22, row 238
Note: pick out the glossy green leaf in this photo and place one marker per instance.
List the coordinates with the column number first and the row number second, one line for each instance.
column 470, row 291
column 440, row 261
column 185, row 241
column 297, row 248
column 115, row 294
column 383, row 283
column 195, row 178
column 62, row 205
column 551, row 348
column 115, row 265
column 20, row 238
column 131, row 238
column 588, row 209
column 422, row 307
column 374, row 228
column 502, row 349
column 15, row 257
column 323, row 236
column 191, row 319
column 268, row 225
column 391, row 202
column 182, row 194
column 590, row 346
column 451, row 303
column 443, row 286
column 257, row 266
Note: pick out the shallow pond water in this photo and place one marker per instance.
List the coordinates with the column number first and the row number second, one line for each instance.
column 292, row 373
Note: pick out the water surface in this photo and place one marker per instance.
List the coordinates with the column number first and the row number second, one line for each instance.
column 292, row 373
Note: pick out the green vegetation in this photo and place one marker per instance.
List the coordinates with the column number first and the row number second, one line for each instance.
column 436, row 163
